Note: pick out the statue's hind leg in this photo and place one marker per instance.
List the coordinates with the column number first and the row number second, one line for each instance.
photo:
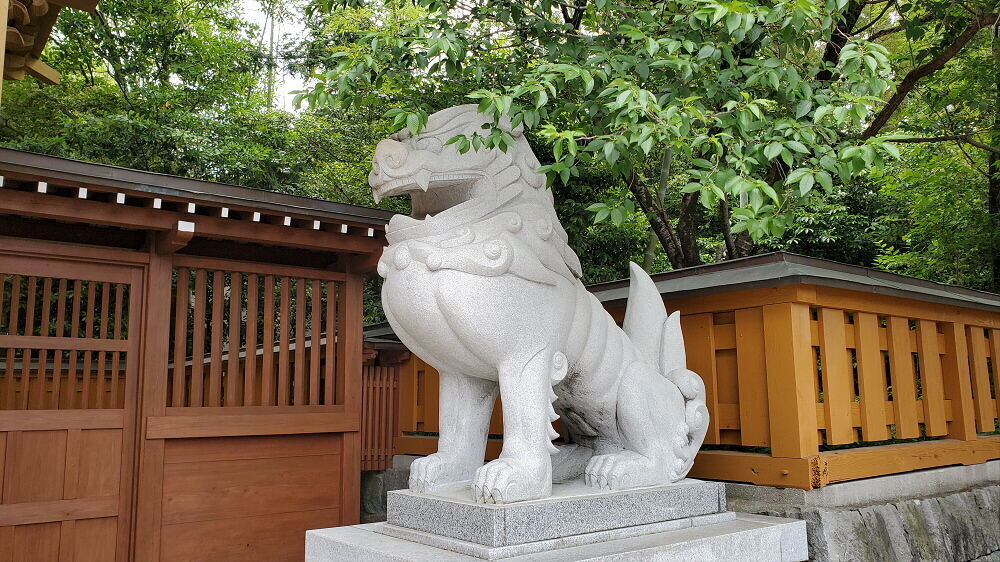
column 466, row 404
column 654, row 434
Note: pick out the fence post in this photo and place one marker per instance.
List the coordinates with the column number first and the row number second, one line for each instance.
column 791, row 386
column 958, row 383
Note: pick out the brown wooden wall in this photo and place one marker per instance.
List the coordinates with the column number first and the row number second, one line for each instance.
column 795, row 373
column 109, row 452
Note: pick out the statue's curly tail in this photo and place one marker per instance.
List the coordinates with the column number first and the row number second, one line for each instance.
column 659, row 340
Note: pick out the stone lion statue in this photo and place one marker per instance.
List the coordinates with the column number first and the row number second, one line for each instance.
column 481, row 284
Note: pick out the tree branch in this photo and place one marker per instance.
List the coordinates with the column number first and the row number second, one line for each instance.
column 937, row 63
column 896, row 28
column 968, row 139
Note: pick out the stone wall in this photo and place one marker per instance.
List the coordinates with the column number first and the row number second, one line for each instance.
column 957, row 526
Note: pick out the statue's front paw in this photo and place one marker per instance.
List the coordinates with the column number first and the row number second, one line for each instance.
column 432, row 472
column 508, row 480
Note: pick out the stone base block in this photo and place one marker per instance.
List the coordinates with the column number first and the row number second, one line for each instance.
column 726, row 536
column 573, row 509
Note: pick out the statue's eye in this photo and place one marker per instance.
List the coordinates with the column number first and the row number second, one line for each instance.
column 428, row 143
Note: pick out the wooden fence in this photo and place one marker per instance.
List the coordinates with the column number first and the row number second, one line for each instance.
column 809, row 385
column 379, row 420
column 158, row 399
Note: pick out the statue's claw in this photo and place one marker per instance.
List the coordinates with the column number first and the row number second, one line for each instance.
column 505, row 481
column 434, row 471
column 620, row 471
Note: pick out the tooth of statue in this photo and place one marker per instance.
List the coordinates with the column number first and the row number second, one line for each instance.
column 376, row 196
column 423, row 179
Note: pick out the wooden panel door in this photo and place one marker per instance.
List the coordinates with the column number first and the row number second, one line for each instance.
column 69, row 334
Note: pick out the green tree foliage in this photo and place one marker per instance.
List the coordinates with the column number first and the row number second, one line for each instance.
column 738, row 89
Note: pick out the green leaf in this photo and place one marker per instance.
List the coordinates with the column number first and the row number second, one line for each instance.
column 795, row 175
column 806, row 183
column 825, row 180
column 797, row 146
column 413, row 123
column 891, row 149
column 618, row 216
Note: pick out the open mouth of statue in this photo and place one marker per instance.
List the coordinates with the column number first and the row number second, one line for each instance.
column 432, row 193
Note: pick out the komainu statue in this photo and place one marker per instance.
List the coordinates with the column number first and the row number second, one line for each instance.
column 481, row 284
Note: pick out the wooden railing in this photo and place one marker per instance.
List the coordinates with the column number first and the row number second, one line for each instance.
column 254, row 336
column 810, row 385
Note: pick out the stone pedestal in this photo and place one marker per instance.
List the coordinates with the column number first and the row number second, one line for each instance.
column 687, row 520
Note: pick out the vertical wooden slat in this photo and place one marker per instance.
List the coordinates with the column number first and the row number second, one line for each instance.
column 15, row 305
column 751, row 377
column 985, row 408
column 995, row 360
column 214, row 393
column 199, row 322
column 789, row 358
column 74, row 356
column 29, row 308
column 181, row 303
column 838, row 377
column 330, row 333
column 699, row 344
column 5, row 305
column 339, row 382
column 366, row 415
column 250, row 364
column 957, row 383
column 301, row 309
column 6, row 383
column 233, row 378
column 871, row 377
column 267, row 361
column 904, row 386
column 43, row 400
column 315, row 335
column 91, row 308
column 284, row 323
column 101, row 393
column 930, row 377
column 22, row 401
column 29, row 328
column 58, row 354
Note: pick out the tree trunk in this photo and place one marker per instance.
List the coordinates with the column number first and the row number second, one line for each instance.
column 661, row 192
column 688, row 219
column 727, row 232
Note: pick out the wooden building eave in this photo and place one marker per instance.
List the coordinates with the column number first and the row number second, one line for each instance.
column 70, row 191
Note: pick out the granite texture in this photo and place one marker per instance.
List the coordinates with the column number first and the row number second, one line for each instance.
column 573, row 509
column 739, row 539
column 495, row 553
